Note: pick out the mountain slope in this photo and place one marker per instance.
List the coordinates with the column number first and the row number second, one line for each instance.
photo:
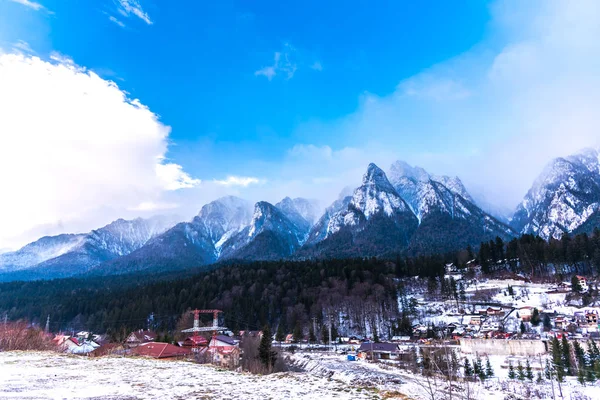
column 448, row 218
column 187, row 244
column 562, row 198
column 376, row 221
column 68, row 255
column 270, row 235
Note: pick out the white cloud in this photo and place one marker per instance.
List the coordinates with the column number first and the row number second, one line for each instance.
column 116, row 21
column 128, row 8
column 31, row 4
column 238, row 181
column 22, row 46
column 317, row 66
column 495, row 115
column 76, row 151
column 154, row 206
column 283, row 63
column 173, row 177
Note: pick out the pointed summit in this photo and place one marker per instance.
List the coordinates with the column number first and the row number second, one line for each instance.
column 271, row 235
column 377, row 178
column 377, row 194
column 563, row 197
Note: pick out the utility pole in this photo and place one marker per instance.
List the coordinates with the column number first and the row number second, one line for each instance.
column 47, row 324
column 329, row 331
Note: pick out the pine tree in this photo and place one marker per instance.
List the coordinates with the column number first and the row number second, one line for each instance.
column 557, row 360
column 375, row 335
column 566, row 355
column 575, row 286
column 547, row 323
column 280, row 335
column 467, row 368
column 311, row 335
column 297, row 335
column 593, row 351
column 539, row 379
column 579, row 355
column 520, row 372
column 265, row 353
column 528, row 371
column 548, row 370
column 478, row 366
column 581, row 377
column 489, row 372
column 535, row 317
column 522, row 327
column 511, row 371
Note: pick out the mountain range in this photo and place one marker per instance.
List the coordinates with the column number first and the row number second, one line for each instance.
column 406, row 211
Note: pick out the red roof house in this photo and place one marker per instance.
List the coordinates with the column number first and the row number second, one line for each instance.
column 160, row 350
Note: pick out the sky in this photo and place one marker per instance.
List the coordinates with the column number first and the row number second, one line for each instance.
column 127, row 108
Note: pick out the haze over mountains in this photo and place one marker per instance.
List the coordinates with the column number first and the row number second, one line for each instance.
column 406, row 211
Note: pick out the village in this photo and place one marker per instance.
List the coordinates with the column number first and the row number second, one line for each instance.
column 510, row 325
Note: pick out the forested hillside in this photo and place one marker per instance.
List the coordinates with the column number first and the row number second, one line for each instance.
column 356, row 293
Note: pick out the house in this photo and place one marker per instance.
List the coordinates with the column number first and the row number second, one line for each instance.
column 472, row 319
column 252, row 334
column 563, row 287
column 560, row 322
column 495, row 311
column 592, row 317
column 73, row 345
column 489, row 326
column 582, row 283
column 525, row 313
column 194, row 341
column 222, row 341
column 160, row 350
column 289, row 338
column 379, row 351
column 138, row 337
column 224, row 357
column 108, row 349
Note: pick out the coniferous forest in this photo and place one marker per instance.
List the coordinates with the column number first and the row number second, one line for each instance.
column 286, row 295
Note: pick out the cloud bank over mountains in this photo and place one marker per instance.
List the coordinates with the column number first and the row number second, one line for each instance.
column 80, row 153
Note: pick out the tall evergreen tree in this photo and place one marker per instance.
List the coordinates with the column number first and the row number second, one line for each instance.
column 557, row 360
column 511, row 371
column 528, row 371
column 535, row 317
column 265, row 353
column 566, row 355
column 520, row 371
column 468, row 370
column 489, row 372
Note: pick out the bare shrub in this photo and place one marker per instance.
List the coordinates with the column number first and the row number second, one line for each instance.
column 20, row 336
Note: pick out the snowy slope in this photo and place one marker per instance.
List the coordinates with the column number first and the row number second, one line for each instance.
column 270, row 235
column 225, row 217
column 448, row 218
column 39, row 251
column 320, row 230
column 301, row 212
column 67, row 255
column 187, row 244
column 562, row 198
column 375, row 221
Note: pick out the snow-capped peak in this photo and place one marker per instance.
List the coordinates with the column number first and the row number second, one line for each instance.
column 563, row 196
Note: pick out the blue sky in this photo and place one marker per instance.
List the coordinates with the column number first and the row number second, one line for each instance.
column 194, row 100
column 195, row 64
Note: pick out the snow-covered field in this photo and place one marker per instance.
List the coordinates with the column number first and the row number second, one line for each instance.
column 46, row 375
